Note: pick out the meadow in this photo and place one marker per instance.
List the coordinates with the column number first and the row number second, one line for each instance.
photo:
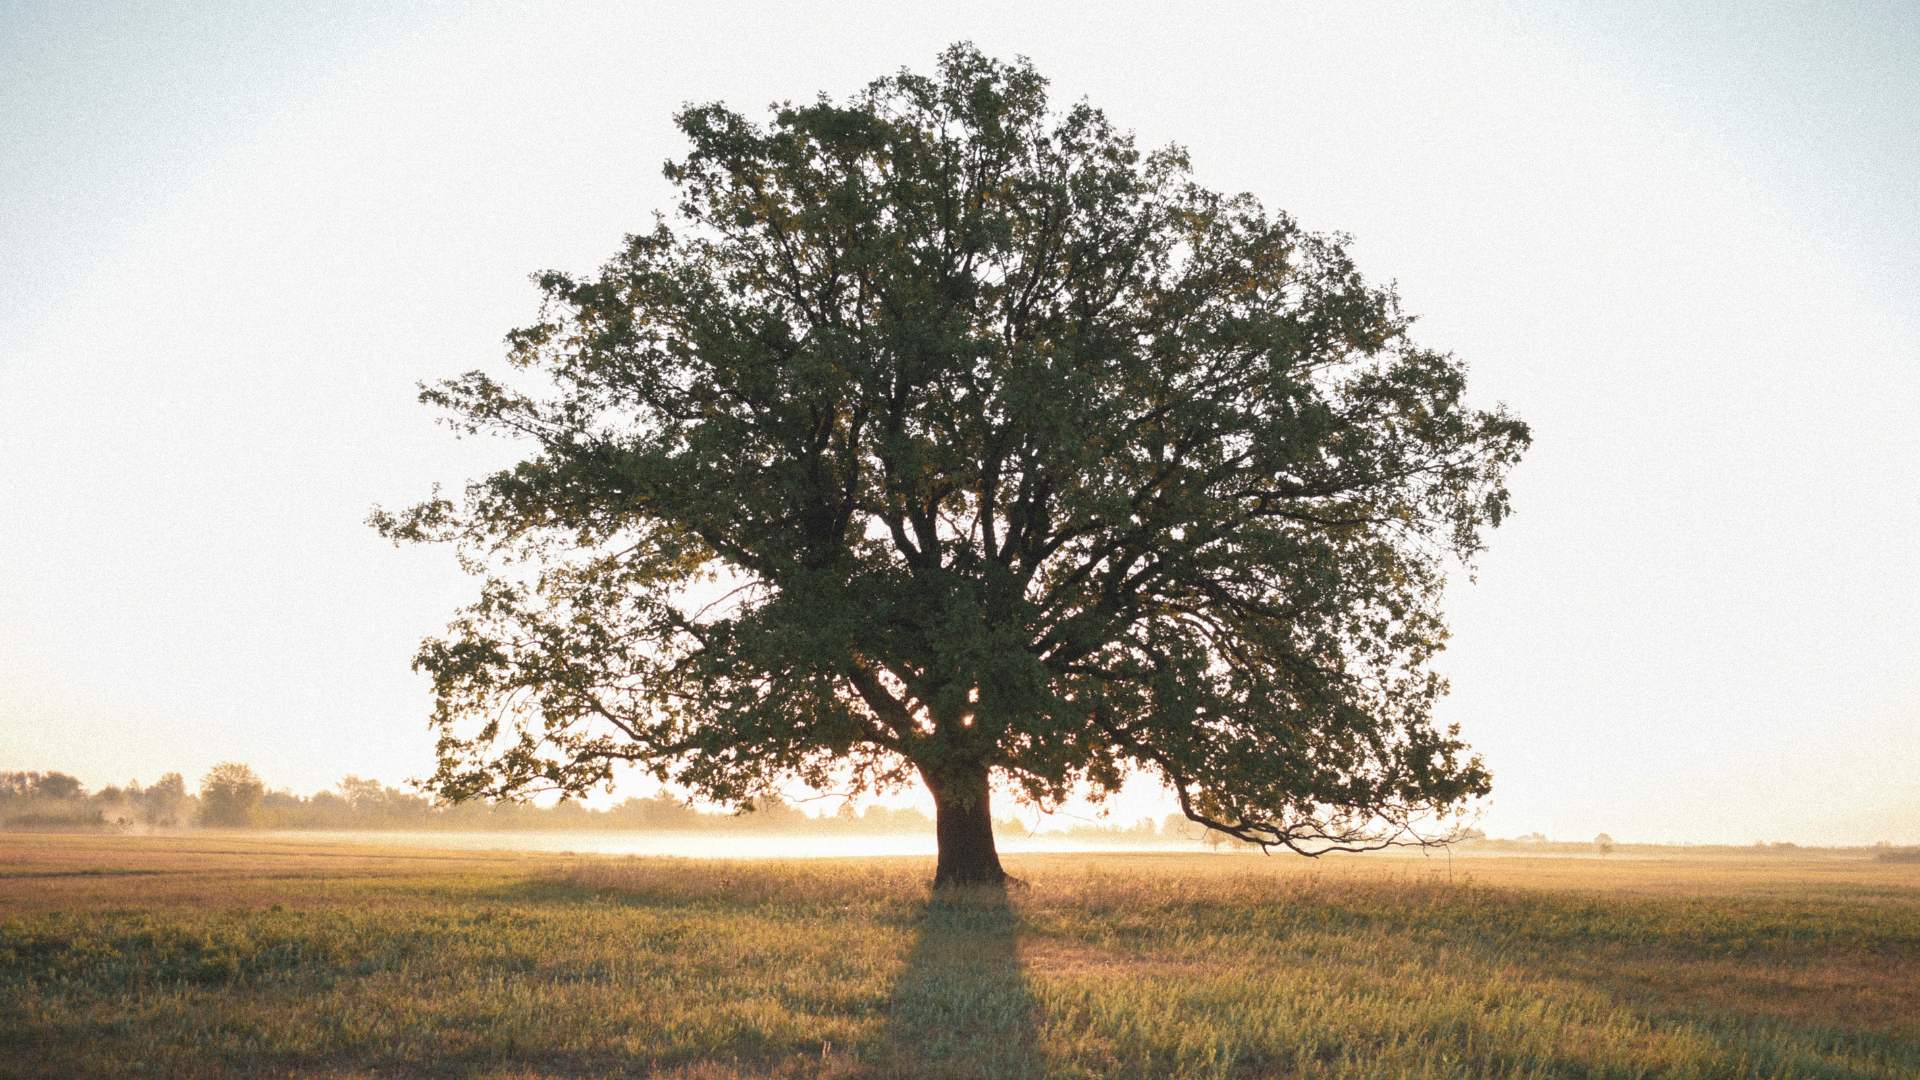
column 209, row 955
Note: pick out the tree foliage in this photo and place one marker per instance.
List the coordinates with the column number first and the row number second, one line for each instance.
column 940, row 432
column 51, row 786
column 162, row 803
column 230, row 795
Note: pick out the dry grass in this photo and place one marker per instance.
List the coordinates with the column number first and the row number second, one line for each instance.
column 205, row 956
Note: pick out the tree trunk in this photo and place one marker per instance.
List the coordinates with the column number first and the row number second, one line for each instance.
column 963, row 824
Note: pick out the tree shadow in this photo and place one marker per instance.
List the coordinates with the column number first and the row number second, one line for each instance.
column 962, row 1007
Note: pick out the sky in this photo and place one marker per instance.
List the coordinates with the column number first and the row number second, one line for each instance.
column 1683, row 245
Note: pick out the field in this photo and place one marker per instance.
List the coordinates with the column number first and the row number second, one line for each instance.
column 206, row 956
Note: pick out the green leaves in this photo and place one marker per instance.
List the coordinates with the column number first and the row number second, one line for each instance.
column 940, row 430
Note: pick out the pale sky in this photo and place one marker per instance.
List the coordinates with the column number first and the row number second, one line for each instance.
column 1685, row 248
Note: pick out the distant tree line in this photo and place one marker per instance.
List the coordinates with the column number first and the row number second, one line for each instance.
column 232, row 795
column 54, row 800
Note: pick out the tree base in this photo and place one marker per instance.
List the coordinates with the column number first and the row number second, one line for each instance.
column 963, row 826
column 995, row 878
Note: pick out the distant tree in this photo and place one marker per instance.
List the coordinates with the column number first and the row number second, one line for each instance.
column 47, row 800
column 372, row 804
column 327, row 810
column 282, row 810
column 661, row 811
column 117, row 805
column 53, row 786
column 1177, row 826
column 230, row 796
column 946, row 436
column 364, row 798
column 57, row 785
column 893, row 819
column 164, row 803
column 1604, row 843
column 772, row 812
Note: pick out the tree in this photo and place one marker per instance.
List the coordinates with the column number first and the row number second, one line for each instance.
column 230, row 795
column 59, row 786
column 1603, row 843
column 53, row 786
column 942, row 435
column 162, row 803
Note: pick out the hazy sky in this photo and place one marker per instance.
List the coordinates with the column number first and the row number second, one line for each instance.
column 1685, row 247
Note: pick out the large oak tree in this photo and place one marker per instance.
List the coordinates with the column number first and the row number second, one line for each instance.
column 939, row 434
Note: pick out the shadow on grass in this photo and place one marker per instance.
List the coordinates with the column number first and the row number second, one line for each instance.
column 962, row 1007
column 888, row 899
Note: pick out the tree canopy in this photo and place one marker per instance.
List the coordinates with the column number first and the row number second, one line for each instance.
column 230, row 795
column 942, row 433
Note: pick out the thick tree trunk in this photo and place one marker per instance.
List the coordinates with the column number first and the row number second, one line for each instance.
column 963, row 824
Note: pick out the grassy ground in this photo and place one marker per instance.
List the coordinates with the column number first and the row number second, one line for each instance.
column 198, row 955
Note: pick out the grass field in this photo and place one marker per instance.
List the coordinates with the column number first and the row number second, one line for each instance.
column 199, row 955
